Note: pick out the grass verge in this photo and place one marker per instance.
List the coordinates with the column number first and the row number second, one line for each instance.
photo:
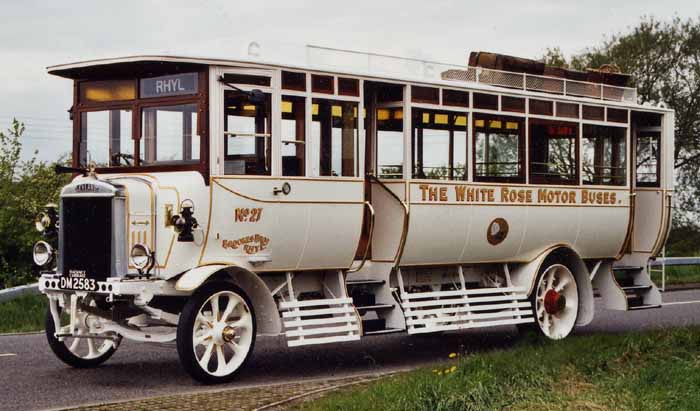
column 23, row 314
column 657, row 370
column 678, row 275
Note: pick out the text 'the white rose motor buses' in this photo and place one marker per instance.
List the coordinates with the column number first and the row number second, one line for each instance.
column 217, row 200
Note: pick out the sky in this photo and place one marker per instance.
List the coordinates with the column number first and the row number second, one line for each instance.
column 36, row 34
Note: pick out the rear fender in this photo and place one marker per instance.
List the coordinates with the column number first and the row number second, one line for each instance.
column 266, row 314
column 525, row 275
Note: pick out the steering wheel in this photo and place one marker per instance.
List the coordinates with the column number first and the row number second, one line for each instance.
column 118, row 157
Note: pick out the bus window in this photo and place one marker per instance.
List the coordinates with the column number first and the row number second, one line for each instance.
column 293, row 136
column 169, row 135
column 498, row 146
column 604, row 159
column 390, row 143
column 439, row 141
column 106, row 138
column 247, row 142
column 334, row 137
column 648, row 155
column 553, row 152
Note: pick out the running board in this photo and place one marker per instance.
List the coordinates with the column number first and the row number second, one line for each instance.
column 435, row 311
column 321, row 321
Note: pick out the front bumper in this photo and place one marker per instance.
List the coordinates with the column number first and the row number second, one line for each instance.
column 114, row 286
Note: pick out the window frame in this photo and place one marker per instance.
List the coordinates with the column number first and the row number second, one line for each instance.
column 450, row 112
column 200, row 99
column 520, row 179
column 625, row 151
column 659, row 156
column 543, row 180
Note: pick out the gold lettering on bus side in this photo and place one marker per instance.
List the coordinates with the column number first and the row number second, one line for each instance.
column 249, row 215
column 251, row 244
column 423, row 191
column 459, row 192
column 443, row 193
column 432, row 193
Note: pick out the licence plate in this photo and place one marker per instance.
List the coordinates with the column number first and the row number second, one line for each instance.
column 78, row 284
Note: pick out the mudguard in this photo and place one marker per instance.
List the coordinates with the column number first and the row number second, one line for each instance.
column 266, row 313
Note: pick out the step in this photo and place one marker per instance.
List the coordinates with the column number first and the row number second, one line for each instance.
column 364, row 282
column 384, row 331
column 628, row 268
column 644, row 307
column 636, row 288
column 375, row 307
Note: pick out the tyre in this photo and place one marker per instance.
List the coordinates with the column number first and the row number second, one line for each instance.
column 80, row 352
column 554, row 302
column 216, row 333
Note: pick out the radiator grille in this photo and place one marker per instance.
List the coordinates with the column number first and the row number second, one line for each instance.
column 86, row 237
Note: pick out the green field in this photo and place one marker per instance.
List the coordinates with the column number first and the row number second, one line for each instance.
column 26, row 313
column 658, row 370
column 678, row 275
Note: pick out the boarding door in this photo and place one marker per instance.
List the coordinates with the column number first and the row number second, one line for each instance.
column 268, row 207
column 651, row 199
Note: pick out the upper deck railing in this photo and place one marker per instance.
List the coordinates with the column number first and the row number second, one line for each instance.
column 432, row 70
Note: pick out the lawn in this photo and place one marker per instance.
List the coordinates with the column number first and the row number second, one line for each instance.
column 657, row 370
column 26, row 313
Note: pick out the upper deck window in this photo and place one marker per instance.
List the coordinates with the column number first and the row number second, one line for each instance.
column 499, row 143
column 107, row 91
column 292, row 80
column 553, row 152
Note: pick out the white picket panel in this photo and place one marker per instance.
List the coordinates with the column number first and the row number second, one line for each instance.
column 339, row 323
column 468, row 308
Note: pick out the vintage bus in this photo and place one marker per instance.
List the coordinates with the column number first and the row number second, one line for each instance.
column 217, row 200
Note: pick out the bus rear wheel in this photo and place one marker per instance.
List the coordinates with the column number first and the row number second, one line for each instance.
column 554, row 303
column 216, row 333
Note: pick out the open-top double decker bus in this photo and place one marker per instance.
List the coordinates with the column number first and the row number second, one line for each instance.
column 217, row 200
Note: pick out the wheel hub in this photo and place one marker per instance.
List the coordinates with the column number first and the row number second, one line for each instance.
column 228, row 334
column 554, row 302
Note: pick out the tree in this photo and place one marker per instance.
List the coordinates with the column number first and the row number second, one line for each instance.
column 25, row 188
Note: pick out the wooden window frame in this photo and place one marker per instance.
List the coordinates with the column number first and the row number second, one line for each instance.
column 520, row 178
column 534, row 179
column 451, row 140
column 136, row 105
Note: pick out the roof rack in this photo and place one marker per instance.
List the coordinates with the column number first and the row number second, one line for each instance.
column 432, row 70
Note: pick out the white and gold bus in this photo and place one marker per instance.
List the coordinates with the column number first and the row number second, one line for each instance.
column 218, row 200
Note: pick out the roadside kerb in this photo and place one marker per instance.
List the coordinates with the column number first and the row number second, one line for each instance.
column 260, row 398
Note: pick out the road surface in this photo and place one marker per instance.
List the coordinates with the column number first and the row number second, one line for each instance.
column 32, row 378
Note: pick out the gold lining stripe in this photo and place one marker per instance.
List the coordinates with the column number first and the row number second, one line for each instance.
column 232, row 191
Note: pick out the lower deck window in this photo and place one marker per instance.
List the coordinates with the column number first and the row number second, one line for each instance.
column 293, row 136
column 553, row 153
column 334, row 137
column 106, row 138
column 648, row 156
column 439, row 142
column 498, row 149
column 604, row 158
column 169, row 135
column 247, row 139
column 389, row 142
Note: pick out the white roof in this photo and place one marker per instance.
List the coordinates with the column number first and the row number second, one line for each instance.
column 350, row 63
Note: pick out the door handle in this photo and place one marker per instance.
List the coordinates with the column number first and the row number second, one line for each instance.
column 286, row 189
